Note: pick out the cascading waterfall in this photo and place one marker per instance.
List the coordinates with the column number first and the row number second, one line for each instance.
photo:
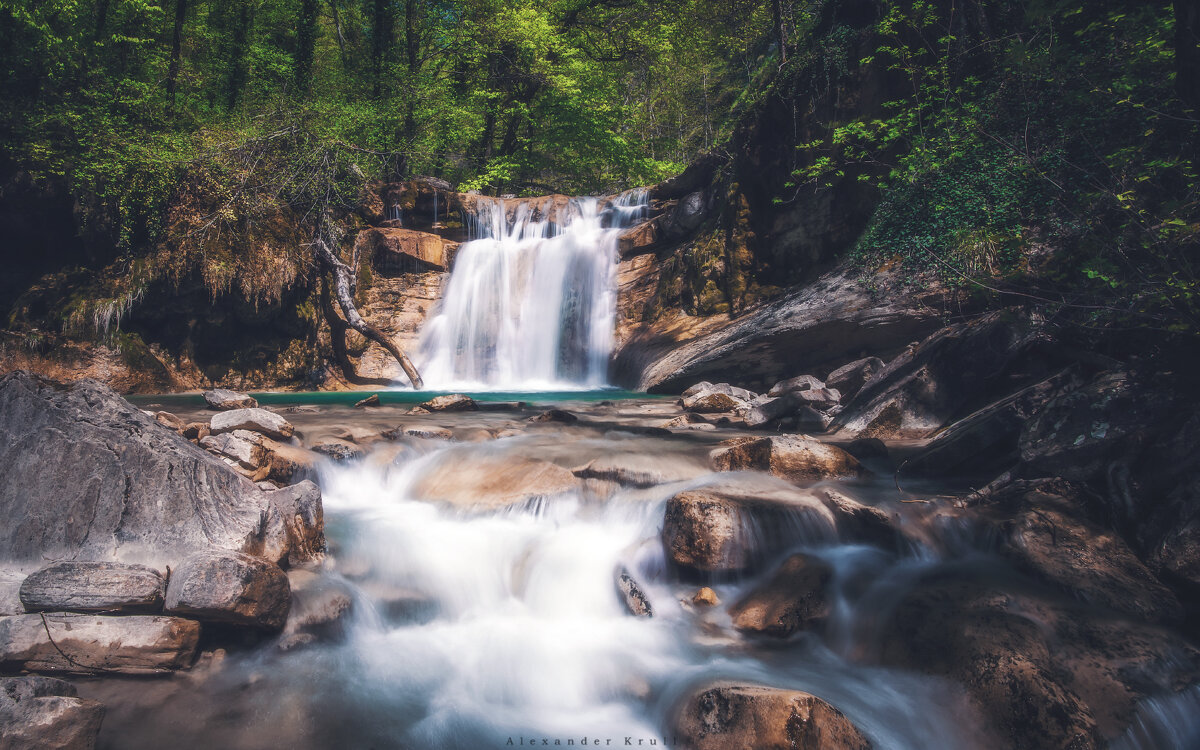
column 530, row 304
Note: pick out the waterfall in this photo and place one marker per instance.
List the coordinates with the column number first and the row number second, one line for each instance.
column 531, row 302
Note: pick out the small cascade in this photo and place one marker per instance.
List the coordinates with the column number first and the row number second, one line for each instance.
column 531, row 303
column 394, row 213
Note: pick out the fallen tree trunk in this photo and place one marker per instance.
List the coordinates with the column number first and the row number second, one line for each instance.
column 343, row 286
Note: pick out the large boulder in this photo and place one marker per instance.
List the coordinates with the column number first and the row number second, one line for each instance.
column 794, row 598
column 1045, row 531
column 303, row 517
column 223, row 399
column 241, row 446
column 60, row 642
column 716, row 398
column 1042, row 674
column 229, row 587
column 86, row 476
column 798, row 383
column 731, row 528
column 289, row 463
column 254, row 420
column 948, row 375
column 70, row 586
column 795, row 458
column 727, row 715
column 45, row 713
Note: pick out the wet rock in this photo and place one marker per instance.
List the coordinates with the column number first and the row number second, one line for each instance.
column 920, row 391
column 254, row 420
column 705, row 597
column 289, row 463
column 136, row 491
column 494, row 481
column 792, row 599
column 230, row 588
column 321, row 606
column 798, row 383
column 339, row 450
column 765, row 411
column 243, row 446
column 555, row 415
column 452, row 402
column 46, row 714
column 637, row 470
column 134, row 644
column 862, row 524
column 70, row 586
column 1048, row 536
column 223, row 399
column 728, row 715
column 398, row 604
column 632, row 596
column 792, row 457
column 808, row 419
column 430, row 433
column 302, row 516
column 850, row 378
column 724, row 529
column 372, row 400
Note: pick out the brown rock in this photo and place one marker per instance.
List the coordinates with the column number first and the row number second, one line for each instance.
column 726, row 715
column 372, row 400
column 792, row 457
column 288, row 463
column 494, row 481
column 170, row 421
column 195, row 430
column 338, row 450
column 705, row 597
column 133, row 644
column 230, row 587
column 94, row 587
column 398, row 250
column 792, row 599
column 451, row 402
column 638, row 470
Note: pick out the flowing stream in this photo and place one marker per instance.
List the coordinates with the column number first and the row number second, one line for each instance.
column 530, row 304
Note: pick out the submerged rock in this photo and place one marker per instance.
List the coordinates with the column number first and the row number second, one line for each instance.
column 494, row 481
column 255, row 420
column 339, row 450
column 792, row 599
column 44, row 713
column 795, row 458
column 223, row 399
column 321, row 606
column 372, row 400
column 728, row 715
column 70, row 586
column 637, row 470
column 231, row 588
column 632, row 596
column 60, row 642
column 555, row 415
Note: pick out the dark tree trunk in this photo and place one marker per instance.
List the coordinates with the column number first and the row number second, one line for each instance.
column 1187, row 51
column 306, row 44
column 176, row 49
column 381, row 43
column 780, row 37
column 239, row 48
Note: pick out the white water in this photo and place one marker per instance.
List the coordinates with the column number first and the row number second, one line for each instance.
column 530, row 305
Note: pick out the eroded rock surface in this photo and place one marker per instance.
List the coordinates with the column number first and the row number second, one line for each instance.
column 60, row 642
column 230, row 588
column 94, row 587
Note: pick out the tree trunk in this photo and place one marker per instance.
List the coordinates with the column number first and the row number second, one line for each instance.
column 306, row 43
column 343, row 287
column 176, row 49
column 777, row 15
column 1187, row 51
column 381, row 42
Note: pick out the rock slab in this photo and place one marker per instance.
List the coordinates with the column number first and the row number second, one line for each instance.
column 255, row 420
column 61, row 642
column 94, row 587
column 45, row 713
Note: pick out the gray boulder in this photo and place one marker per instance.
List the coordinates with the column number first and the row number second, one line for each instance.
column 242, row 446
column 46, row 713
column 798, row 383
column 61, row 642
column 223, row 399
column 632, row 596
column 85, row 476
column 232, row 588
column 70, row 586
column 255, row 420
